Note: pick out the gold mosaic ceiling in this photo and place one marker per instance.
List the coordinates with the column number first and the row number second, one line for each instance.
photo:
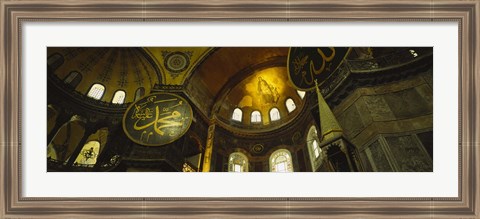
column 124, row 69
column 252, row 78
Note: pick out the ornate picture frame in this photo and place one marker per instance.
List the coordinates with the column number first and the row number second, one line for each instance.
column 13, row 14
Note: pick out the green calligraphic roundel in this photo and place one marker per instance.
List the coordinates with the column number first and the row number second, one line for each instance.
column 157, row 119
column 307, row 64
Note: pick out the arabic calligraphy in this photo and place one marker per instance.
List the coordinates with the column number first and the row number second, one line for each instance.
column 308, row 64
column 157, row 119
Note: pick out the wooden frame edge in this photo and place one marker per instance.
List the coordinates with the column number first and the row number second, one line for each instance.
column 13, row 13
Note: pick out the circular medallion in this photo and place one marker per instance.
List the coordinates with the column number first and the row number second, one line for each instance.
column 307, row 64
column 258, row 148
column 296, row 138
column 177, row 62
column 157, row 119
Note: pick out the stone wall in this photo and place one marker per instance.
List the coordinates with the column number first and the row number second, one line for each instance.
column 391, row 125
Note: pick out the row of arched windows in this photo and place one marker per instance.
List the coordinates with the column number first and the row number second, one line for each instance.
column 256, row 116
column 97, row 90
column 280, row 161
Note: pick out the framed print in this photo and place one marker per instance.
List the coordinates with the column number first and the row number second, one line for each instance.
column 368, row 109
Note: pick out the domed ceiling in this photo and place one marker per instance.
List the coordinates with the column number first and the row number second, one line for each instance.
column 176, row 63
column 216, row 80
column 126, row 69
column 263, row 91
column 224, row 68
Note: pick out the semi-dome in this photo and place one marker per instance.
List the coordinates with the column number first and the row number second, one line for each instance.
column 263, row 100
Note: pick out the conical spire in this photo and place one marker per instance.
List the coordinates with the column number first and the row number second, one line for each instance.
column 330, row 129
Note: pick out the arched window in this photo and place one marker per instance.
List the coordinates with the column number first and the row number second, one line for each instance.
column 301, row 94
column 256, row 117
column 139, row 93
column 313, row 143
column 73, row 79
column 91, row 150
column 281, row 161
column 237, row 114
column 274, row 114
column 316, row 148
column 54, row 61
column 88, row 155
column 237, row 162
column 290, row 105
column 119, row 97
column 66, row 139
column 96, row 92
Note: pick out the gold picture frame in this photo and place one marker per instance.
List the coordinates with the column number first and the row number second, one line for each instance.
column 14, row 13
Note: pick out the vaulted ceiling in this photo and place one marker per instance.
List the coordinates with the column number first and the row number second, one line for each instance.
column 215, row 79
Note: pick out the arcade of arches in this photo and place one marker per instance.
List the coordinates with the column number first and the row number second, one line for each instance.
column 373, row 114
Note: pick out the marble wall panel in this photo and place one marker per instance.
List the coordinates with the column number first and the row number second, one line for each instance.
column 351, row 122
column 377, row 158
column 407, row 104
column 378, row 108
column 408, row 154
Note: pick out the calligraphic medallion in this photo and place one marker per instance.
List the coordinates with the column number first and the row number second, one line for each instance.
column 157, row 119
column 307, row 64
